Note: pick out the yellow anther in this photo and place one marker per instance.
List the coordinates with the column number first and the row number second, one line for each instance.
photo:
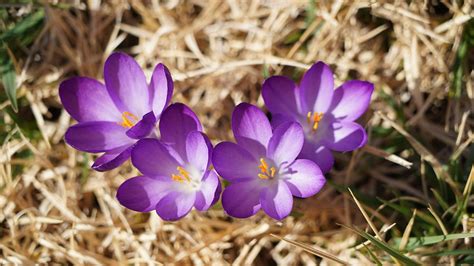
column 177, row 178
column 182, row 176
column 272, row 171
column 314, row 119
column 128, row 120
column 266, row 173
column 183, row 173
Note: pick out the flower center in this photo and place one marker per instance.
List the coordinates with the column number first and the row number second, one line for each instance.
column 314, row 119
column 182, row 176
column 265, row 171
column 128, row 120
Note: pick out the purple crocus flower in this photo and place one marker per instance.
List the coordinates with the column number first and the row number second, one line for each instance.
column 327, row 115
column 262, row 168
column 176, row 169
column 113, row 117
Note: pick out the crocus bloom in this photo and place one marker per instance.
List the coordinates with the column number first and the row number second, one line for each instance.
column 113, row 117
column 176, row 169
column 261, row 167
column 327, row 115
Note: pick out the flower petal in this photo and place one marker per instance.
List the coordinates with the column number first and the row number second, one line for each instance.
column 217, row 194
column 176, row 122
column 97, row 136
column 304, row 178
column 242, row 199
column 281, row 96
column 346, row 136
column 286, row 143
column 142, row 193
column 153, row 158
column 161, row 88
column 198, row 151
column 112, row 159
column 278, row 119
column 317, row 88
column 175, row 205
column 143, row 128
column 251, row 128
column 319, row 154
column 277, row 200
column 351, row 100
column 234, row 162
column 206, row 195
column 86, row 99
column 126, row 84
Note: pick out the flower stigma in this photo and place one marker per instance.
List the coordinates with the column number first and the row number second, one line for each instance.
column 314, row 119
column 266, row 173
column 128, row 120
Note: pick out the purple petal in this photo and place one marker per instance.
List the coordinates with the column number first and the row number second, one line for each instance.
column 234, row 162
column 286, row 143
column 304, row 178
column 205, row 197
column 161, row 88
column 175, row 205
column 176, row 122
column 251, row 128
column 351, row 100
column 152, row 158
column 279, row 119
column 142, row 193
column 112, row 159
column 86, row 99
column 143, row 128
column 242, row 199
column 197, row 151
column 281, row 96
column 317, row 88
column 126, row 84
column 319, row 154
column 277, row 200
column 346, row 136
column 217, row 194
column 96, row 136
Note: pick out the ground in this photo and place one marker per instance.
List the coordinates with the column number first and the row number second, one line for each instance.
column 413, row 179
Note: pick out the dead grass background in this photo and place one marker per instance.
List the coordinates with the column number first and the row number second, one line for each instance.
column 54, row 209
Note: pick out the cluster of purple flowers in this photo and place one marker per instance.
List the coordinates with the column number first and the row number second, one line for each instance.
column 270, row 163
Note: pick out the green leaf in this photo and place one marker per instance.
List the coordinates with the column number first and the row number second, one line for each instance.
column 372, row 255
column 23, row 26
column 396, row 254
column 8, row 76
column 407, row 212
column 415, row 242
column 455, row 252
column 440, row 200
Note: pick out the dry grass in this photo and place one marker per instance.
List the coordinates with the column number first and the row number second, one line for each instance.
column 54, row 209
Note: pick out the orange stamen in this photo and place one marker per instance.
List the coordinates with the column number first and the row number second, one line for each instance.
column 182, row 176
column 314, row 119
column 128, row 120
column 265, row 172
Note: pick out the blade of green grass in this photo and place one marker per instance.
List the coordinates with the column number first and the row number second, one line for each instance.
column 455, row 252
column 407, row 212
column 8, row 76
column 372, row 255
column 23, row 26
column 415, row 242
column 379, row 244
